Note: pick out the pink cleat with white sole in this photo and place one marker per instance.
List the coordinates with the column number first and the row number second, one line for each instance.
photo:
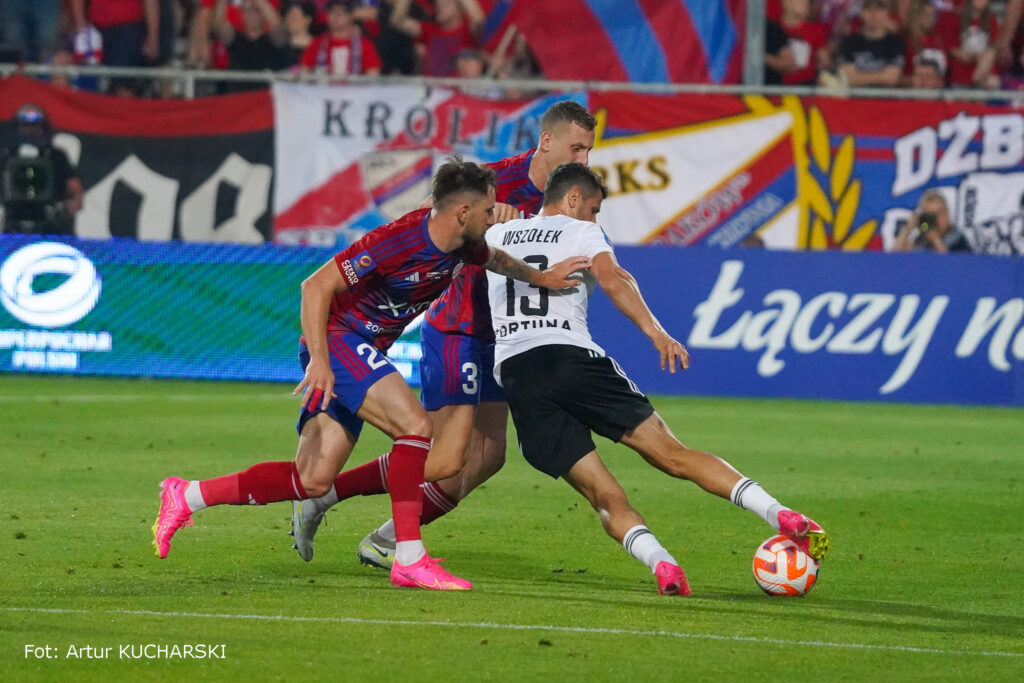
column 671, row 579
column 805, row 532
column 174, row 514
column 427, row 573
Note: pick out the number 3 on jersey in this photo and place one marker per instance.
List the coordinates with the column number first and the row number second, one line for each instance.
column 470, row 386
column 525, row 307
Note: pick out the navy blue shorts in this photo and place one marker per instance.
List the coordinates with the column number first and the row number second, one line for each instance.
column 357, row 366
column 456, row 369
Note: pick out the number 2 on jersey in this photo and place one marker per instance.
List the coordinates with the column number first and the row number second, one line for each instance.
column 525, row 307
column 373, row 357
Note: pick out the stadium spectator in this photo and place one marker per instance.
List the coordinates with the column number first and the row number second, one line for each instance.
column 778, row 54
column 295, row 31
column 130, row 30
column 929, row 71
column 29, row 29
column 204, row 50
column 364, row 12
column 970, row 37
column 353, row 308
column 39, row 186
column 455, row 26
column 1008, row 42
column 343, row 49
column 517, row 62
column 471, row 63
column 252, row 49
column 808, row 41
column 874, row 56
column 841, row 17
column 919, row 35
column 397, row 48
column 930, row 228
column 562, row 387
column 456, row 334
column 170, row 12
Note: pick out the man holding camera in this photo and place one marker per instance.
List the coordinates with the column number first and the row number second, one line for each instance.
column 39, row 187
column 929, row 228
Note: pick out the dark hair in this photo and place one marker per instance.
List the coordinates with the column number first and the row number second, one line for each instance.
column 348, row 5
column 568, row 176
column 457, row 176
column 307, row 7
column 967, row 14
column 567, row 111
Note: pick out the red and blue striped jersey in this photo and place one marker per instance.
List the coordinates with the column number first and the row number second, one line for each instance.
column 464, row 306
column 393, row 273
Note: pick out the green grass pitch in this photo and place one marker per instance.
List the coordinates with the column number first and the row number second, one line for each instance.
column 924, row 580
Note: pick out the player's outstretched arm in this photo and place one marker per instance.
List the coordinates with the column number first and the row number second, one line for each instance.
column 555, row 277
column 622, row 288
column 317, row 290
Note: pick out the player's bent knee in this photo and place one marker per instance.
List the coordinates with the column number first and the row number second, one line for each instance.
column 315, row 489
column 444, row 470
column 419, row 425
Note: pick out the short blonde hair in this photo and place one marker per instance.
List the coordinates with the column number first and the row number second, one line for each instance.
column 933, row 195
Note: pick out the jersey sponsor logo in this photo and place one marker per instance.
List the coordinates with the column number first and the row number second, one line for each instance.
column 398, row 309
column 349, row 273
column 507, row 329
column 62, row 305
column 363, row 263
column 381, row 329
column 530, row 235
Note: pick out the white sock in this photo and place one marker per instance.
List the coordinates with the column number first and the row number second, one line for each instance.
column 749, row 495
column 642, row 544
column 409, row 552
column 326, row 501
column 387, row 531
column 194, row 497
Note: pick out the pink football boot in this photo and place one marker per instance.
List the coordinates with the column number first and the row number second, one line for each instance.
column 174, row 514
column 671, row 579
column 427, row 573
column 805, row 532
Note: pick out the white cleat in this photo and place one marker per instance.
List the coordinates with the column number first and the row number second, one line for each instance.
column 376, row 551
column 305, row 521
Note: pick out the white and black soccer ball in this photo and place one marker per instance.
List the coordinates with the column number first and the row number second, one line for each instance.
column 781, row 568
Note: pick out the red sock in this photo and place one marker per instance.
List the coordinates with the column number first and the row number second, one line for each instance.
column 436, row 503
column 405, row 475
column 267, row 482
column 365, row 480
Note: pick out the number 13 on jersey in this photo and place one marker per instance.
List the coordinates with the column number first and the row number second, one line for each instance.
column 526, row 307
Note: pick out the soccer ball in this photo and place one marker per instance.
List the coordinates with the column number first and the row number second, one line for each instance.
column 781, row 568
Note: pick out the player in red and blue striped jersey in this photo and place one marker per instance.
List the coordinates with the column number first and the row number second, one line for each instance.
column 366, row 295
column 465, row 404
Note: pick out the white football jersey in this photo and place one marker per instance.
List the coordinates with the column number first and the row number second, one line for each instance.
column 524, row 316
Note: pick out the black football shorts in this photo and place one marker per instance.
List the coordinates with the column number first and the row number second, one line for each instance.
column 559, row 394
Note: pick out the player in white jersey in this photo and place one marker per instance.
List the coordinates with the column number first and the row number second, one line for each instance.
column 561, row 386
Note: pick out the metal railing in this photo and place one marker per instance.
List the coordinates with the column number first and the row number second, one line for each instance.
column 189, row 78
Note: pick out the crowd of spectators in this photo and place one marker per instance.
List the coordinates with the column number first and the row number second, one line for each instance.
column 832, row 43
column 336, row 37
column 895, row 43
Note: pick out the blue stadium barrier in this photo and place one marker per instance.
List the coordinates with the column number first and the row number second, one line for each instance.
column 824, row 325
